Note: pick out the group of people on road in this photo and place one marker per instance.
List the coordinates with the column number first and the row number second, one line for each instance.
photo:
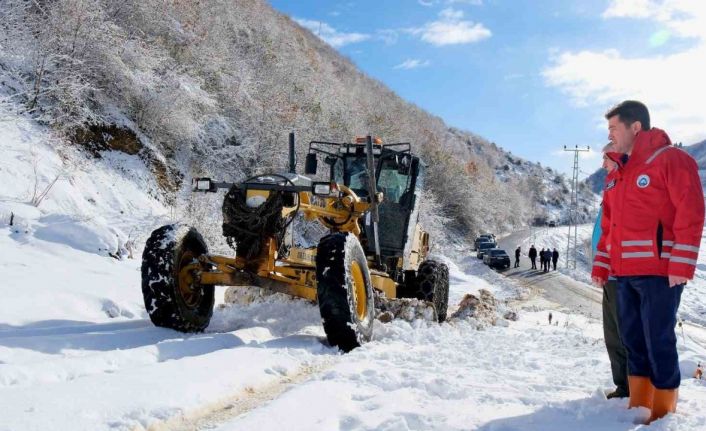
column 646, row 246
column 547, row 258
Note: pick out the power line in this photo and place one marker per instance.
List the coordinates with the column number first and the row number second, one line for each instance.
column 571, row 246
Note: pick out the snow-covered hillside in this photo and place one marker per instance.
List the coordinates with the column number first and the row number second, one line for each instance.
column 78, row 352
column 59, row 194
column 69, row 214
column 215, row 87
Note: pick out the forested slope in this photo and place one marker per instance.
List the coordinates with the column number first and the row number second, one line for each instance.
column 213, row 88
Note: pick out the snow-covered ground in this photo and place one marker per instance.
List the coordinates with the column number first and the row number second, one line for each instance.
column 92, row 361
column 77, row 351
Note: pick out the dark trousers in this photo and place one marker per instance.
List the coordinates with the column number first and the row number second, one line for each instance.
column 517, row 261
column 611, row 334
column 647, row 311
column 534, row 262
column 554, row 263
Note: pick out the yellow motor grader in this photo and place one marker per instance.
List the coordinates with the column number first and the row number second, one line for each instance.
column 370, row 205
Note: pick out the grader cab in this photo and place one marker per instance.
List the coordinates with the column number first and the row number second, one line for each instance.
column 375, row 247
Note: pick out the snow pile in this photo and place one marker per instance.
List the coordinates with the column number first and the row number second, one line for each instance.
column 484, row 309
column 408, row 309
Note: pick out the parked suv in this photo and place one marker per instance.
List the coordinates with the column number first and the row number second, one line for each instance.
column 496, row 258
column 485, row 238
column 483, row 247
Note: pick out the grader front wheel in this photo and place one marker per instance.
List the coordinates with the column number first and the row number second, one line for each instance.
column 344, row 291
column 173, row 297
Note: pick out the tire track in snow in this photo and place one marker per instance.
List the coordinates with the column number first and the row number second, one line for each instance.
column 212, row 415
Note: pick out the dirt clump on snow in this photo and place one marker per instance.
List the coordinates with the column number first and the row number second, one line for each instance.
column 247, row 295
column 408, row 309
column 485, row 309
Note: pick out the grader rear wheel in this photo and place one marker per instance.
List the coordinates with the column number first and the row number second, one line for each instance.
column 432, row 284
column 173, row 297
column 344, row 291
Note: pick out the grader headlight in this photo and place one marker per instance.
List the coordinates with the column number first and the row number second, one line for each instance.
column 322, row 189
column 202, row 185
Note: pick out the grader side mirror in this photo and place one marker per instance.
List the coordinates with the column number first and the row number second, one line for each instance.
column 310, row 164
column 404, row 162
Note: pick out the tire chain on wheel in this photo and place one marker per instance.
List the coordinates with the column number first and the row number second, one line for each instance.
column 245, row 227
column 432, row 284
column 160, row 280
column 335, row 254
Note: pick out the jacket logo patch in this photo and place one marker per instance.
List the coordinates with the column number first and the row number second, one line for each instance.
column 610, row 185
column 643, row 181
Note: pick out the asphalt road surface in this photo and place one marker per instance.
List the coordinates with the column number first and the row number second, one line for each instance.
column 559, row 291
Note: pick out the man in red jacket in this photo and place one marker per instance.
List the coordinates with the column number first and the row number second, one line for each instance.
column 653, row 217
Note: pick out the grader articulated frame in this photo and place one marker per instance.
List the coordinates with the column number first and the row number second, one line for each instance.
column 370, row 205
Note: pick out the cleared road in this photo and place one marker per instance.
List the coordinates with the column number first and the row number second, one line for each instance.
column 564, row 292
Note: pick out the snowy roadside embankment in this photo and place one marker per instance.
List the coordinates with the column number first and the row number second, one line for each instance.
column 56, row 193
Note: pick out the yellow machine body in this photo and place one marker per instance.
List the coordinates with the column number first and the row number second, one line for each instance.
column 295, row 274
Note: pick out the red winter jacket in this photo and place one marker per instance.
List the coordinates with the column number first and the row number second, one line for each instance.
column 653, row 212
column 601, row 261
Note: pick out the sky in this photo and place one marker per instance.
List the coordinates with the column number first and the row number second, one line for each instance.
column 532, row 76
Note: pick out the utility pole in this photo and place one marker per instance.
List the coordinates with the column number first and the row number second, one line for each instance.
column 571, row 245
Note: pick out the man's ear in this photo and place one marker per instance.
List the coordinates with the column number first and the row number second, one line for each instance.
column 636, row 127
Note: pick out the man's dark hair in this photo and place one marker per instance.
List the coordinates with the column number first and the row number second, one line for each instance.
column 630, row 111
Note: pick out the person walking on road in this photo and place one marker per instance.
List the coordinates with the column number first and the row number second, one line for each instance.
column 533, row 256
column 617, row 354
column 651, row 227
column 542, row 259
column 555, row 258
column 517, row 257
column 548, row 260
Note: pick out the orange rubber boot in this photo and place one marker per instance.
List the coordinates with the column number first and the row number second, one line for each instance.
column 641, row 392
column 664, row 401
